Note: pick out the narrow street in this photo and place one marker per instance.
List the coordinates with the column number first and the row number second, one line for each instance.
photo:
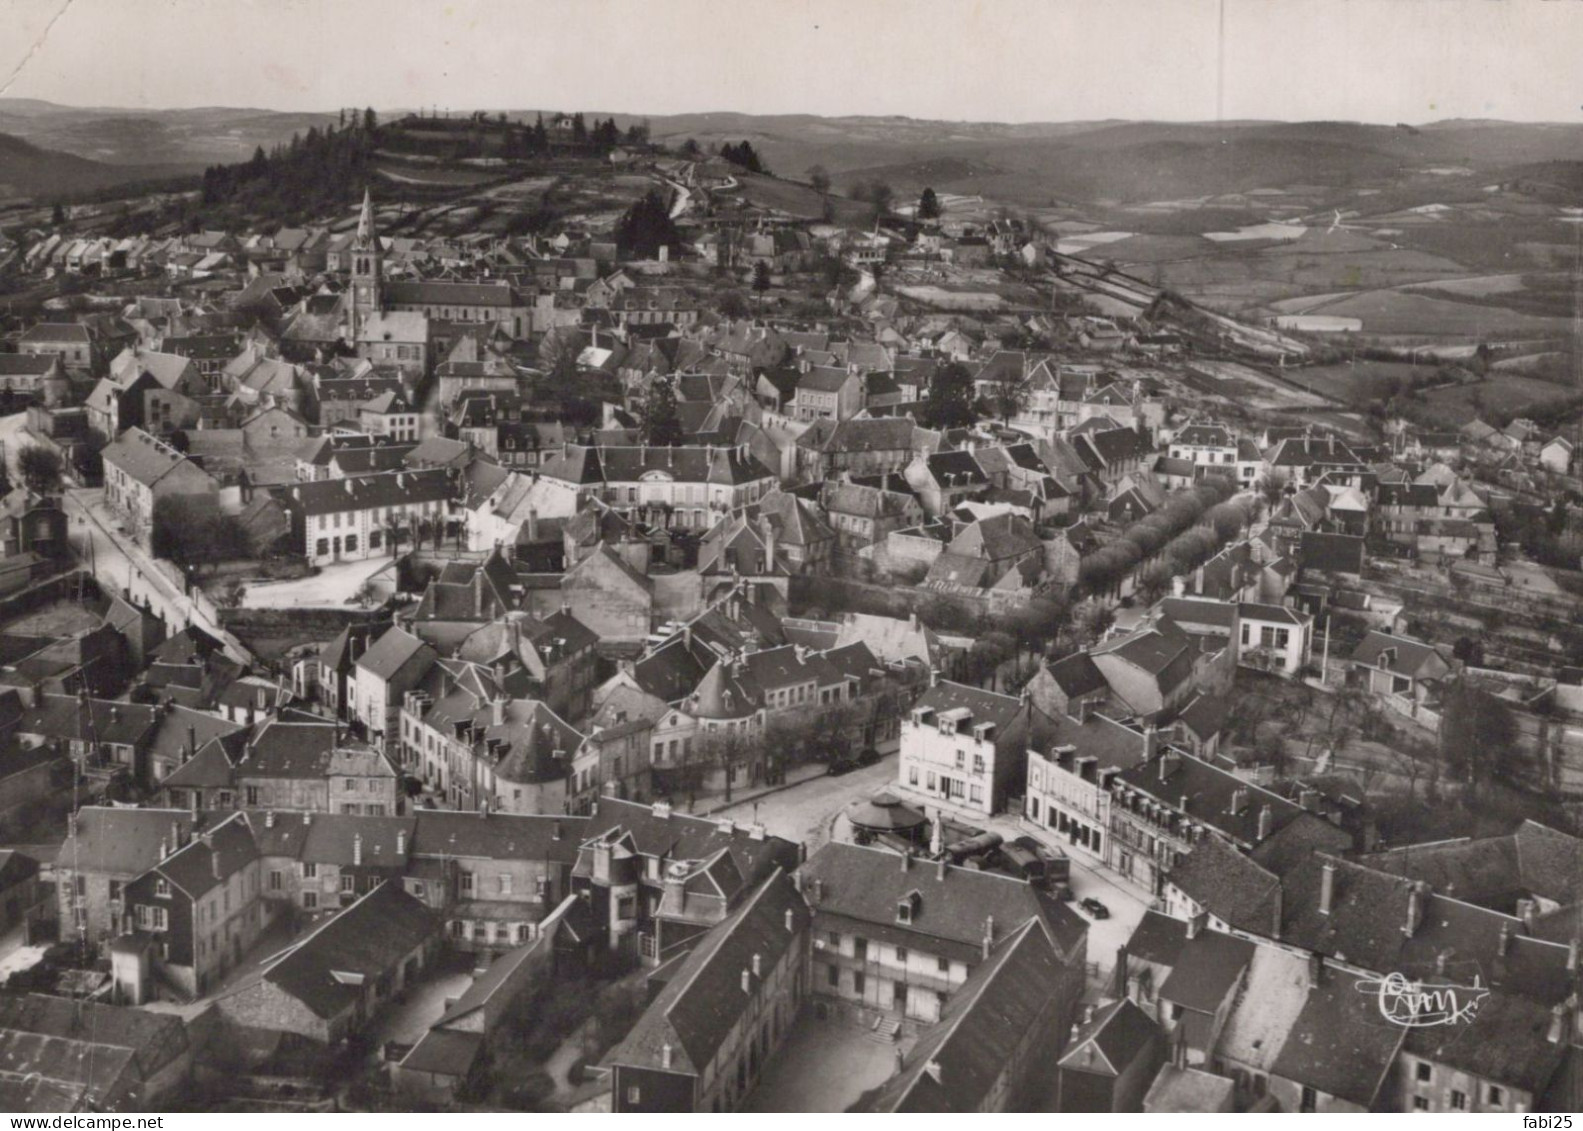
column 122, row 566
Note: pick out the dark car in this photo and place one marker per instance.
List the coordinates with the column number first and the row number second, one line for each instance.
column 839, row 766
column 1095, row 908
column 868, row 757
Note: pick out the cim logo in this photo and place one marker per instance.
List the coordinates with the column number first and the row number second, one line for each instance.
column 1416, row 1005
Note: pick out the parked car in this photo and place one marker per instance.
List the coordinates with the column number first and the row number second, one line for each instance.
column 1095, row 908
column 868, row 757
column 839, row 766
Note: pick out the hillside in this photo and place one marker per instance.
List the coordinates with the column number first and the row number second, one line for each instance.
column 27, row 170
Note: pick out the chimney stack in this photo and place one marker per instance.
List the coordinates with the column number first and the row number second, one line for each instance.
column 906, row 861
column 1327, row 887
column 1239, row 799
column 989, row 935
column 1558, row 1013
column 747, row 981
column 401, row 842
column 357, row 850
column 1572, row 955
column 665, row 1055
column 1265, row 818
column 758, row 966
column 1506, row 939
column 790, row 921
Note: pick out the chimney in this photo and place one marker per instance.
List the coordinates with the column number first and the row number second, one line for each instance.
column 747, row 981
column 1265, row 818
column 906, row 861
column 1151, row 743
column 758, row 966
column 1309, row 800
column 1327, row 887
column 401, row 842
column 1239, row 799
column 1440, row 962
column 307, row 816
column 1572, row 955
column 989, row 935
column 665, row 1055
column 939, row 870
column 269, row 819
column 497, row 711
column 214, row 863
column 1167, row 763
column 357, row 850
column 175, row 833
column 555, row 831
column 1415, row 910
column 791, row 921
column 1195, row 925
column 1558, row 1013
column 1506, row 939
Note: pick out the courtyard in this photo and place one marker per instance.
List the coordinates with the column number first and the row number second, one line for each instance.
column 824, row 1065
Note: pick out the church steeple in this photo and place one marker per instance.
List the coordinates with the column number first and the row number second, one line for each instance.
column 366, row 258
column 365, row 220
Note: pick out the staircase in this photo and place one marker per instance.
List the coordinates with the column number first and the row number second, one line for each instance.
column 884, row 1030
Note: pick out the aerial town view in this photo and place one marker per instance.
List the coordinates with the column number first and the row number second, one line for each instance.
column 785, row 557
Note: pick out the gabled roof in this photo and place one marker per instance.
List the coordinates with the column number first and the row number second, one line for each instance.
column 326, row 971
column 701, row 1003
column 1107, row 1045
column 957, row 1065
column 1338, row 1046
column 951, row 914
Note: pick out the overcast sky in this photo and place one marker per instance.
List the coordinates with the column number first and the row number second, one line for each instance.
column 979, row 60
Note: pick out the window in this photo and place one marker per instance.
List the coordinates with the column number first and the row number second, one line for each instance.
column 321, row 547
column 467, row 883
column 912, row 775
column 310, row 870
column 943, row 965
column 274, row 880
column 503, row 882
column 857, row 982
column 978, row 763
column 1497, row 1097
column 634, row 1095
column 310, row 900
column 351, row 542
column 162, row 888
column 832, row 975
column 835, row 939
column 348, row 883
column 1309, row 1100
column 1420, row 1103
column 901, row 955
column 1459, row 1100
column 1425, row 1073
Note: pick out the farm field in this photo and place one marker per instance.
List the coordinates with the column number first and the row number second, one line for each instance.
column 1355, row 384
column 446, row 177
column 1512, row 393
column 1402, row 312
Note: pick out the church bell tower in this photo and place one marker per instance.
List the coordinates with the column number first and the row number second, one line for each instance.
column 365, row 267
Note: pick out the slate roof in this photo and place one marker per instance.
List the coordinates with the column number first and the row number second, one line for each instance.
column 1229, row 885
column 956, row 1064
column 145, row 458
column 395, row 651
column 1339, row 1044
column 369, row 939
column 367, row 492
column 1332, row 553
column 1107, row 1045
column 864, row 885
column 211, row 857
column 499, row 836
column 702, row 1001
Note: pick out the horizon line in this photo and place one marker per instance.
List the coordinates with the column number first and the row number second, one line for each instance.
column 853, row 116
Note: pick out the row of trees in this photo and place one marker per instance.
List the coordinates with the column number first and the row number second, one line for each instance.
column 1185, row 532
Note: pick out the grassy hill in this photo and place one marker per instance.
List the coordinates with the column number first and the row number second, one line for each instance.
column 27, row 170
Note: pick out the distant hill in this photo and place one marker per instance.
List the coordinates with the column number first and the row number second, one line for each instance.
column 190, row 139
column 1031, row 163
column 27, row 170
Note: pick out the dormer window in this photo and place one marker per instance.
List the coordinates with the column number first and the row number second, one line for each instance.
column 907, row 908
column 162, row 888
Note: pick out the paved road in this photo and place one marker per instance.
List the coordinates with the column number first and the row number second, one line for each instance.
column 803, row 812
column 121, row 566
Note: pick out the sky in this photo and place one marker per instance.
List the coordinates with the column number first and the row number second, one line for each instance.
column 964, row 60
